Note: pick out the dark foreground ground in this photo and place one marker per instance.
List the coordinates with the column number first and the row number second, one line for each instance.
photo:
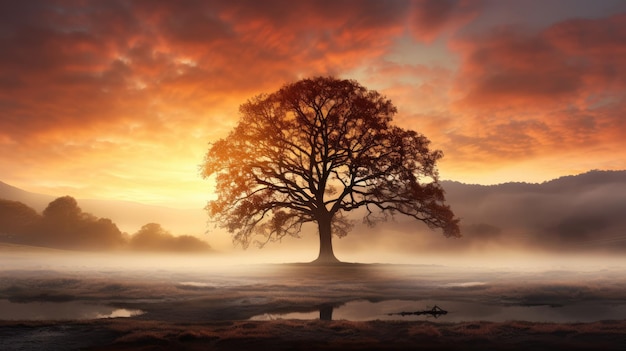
column 200, row 308
column 124, row 334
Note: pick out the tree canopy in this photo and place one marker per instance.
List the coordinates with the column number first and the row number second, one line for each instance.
column 315, row 150
column 152, row 237
column 64, row 225
column 16, row 218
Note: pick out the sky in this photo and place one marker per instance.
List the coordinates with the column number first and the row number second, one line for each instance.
column 120, row 99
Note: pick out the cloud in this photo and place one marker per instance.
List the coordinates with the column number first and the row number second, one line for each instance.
column 100, row 87
column 432, row 17
column 523, row 94
column 90, row 91
column 113, row 61
column 569, row 61
column 521, row 97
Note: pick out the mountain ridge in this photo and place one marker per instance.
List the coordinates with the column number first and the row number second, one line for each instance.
column 11, row 192
column 128, row 215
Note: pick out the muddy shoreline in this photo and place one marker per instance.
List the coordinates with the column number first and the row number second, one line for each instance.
column 129, row 334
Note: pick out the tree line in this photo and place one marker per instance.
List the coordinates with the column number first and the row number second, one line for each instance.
column 64, row 225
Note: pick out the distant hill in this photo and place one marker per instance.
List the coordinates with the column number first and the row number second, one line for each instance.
column 584, row 212
column 36, row 201
column 573, row 183
column 129, row 216
column 16, row 248
column 580, row 213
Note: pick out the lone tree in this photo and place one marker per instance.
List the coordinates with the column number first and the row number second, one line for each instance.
column 311, row 152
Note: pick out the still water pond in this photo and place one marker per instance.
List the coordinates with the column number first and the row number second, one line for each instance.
column 459, row 311
column 60, row 311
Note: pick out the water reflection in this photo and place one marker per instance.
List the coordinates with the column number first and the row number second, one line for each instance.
column 61, row 311
column 197, row 284
column 326, row 312
column 459, row 311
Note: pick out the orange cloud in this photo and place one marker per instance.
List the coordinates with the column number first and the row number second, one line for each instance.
column 525, row 94
column 561, row 64
column 432, row 17
column 111, row 94
column 119, row 99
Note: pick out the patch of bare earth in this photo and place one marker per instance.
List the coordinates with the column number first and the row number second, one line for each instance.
column 129, row 334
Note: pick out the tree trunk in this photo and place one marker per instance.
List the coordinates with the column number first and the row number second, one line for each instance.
column 326, row 312
column 326, row 254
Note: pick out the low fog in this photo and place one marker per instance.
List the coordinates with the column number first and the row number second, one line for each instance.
column 188, row 288
column 572, row 215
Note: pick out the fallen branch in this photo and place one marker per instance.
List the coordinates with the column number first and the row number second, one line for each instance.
column 436, row 311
